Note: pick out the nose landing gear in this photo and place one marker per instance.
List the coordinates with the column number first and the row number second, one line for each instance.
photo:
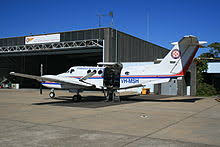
column 52, row 94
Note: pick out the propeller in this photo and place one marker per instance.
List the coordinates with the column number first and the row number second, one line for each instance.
column 41, row 91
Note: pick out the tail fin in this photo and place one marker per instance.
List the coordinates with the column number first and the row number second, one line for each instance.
column 178, row 60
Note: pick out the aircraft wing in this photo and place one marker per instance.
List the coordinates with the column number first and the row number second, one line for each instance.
column 52, row 78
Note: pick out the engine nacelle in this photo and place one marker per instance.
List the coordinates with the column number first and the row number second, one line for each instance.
column 111, row 76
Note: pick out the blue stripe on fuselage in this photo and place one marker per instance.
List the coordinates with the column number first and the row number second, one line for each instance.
column 51, row 83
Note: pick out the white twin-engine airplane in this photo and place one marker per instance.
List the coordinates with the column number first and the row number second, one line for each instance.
column 111, row 77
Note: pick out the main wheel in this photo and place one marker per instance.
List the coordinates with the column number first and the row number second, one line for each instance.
column 77, row 98
column 52, row 95
column 109, row 96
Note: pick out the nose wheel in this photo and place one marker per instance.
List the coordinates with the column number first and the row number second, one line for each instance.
column 52, row 94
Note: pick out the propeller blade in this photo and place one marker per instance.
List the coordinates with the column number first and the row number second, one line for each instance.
column 41, row 91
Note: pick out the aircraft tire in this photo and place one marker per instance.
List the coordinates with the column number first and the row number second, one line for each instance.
column 77, row 98
column 111, row 94
column 52, row 95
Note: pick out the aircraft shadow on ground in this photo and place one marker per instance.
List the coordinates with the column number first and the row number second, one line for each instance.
column 99, row 101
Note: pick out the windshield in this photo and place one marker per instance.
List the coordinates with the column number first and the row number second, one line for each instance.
column 72, row 70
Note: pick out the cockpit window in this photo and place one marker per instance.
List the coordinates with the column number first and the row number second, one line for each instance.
column 72, row 70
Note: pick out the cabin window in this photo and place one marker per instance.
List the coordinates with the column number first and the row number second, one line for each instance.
column 94, row 71
column 72, row 70
column 88, row 71
column 127, row 73
column 100, row 72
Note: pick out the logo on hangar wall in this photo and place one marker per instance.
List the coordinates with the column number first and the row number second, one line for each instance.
column 29, row 39
column 175, row 54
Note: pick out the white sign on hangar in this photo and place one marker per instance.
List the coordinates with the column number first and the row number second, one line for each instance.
column 42, row 39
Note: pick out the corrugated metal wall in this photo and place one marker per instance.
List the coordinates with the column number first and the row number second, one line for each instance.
column 64, row 36
column 12, row 41
column 130, row 48
column 82, row 35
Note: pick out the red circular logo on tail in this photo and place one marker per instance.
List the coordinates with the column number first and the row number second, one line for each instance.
column 175, row 54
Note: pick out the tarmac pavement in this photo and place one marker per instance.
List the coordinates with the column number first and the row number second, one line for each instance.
column 30, row 119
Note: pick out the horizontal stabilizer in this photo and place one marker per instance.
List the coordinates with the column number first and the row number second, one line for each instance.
column 134, row 86
column 106, row 63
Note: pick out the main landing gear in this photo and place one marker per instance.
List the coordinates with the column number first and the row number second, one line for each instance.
column 52, row 94
column 112, row 95
column 77, row 97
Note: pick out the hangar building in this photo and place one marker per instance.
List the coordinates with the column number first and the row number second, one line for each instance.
column 59, row 51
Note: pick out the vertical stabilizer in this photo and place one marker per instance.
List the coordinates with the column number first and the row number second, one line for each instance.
column 178, row 60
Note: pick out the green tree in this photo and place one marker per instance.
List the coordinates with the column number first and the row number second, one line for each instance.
column 214, row 48
column 203, row 88
column 201, row 68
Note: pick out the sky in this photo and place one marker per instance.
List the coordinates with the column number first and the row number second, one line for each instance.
column 158, row 21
